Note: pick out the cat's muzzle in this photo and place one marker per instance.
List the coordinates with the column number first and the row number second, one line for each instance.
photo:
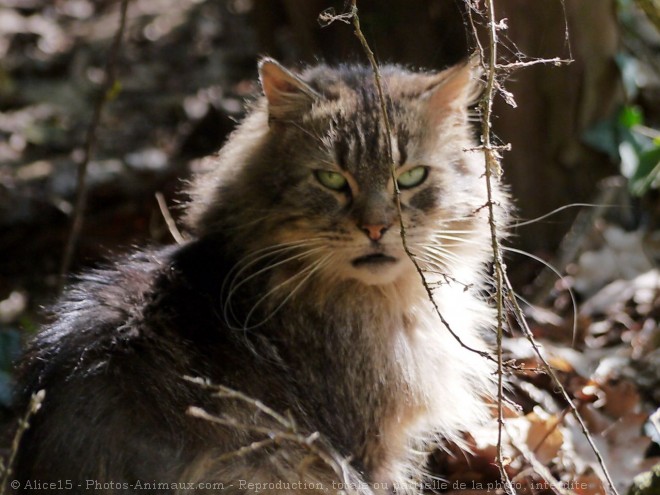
column 373, row 259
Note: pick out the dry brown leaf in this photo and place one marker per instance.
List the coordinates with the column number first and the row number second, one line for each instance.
column 622, row 398
column 588, row 484
column 560, row 364
column 544, row 438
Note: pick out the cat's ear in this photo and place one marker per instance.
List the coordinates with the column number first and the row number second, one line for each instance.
column 453, row 90
column 286, row 93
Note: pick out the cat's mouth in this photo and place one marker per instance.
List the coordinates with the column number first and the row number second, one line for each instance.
column 374, row 259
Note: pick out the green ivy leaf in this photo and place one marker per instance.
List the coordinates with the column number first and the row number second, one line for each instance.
column 631, row 116
column 647, row 172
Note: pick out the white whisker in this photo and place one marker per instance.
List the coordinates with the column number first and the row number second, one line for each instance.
column 309, row 271
column 441, row 250
column 456, row 231
column 558, row 274
column 442, row 259
column 234, row 287
column 561, row 208
column 458, row 239
column 261, row 254
column 271, row 252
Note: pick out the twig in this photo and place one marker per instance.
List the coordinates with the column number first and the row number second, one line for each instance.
column 520, row 65
column 225, row 392
column 555, row 379
column 23, row 424
column 493, row 167
column 106, row 93
column 246, row 450
column 274, row 437
column 169, row 221
column 198, row 412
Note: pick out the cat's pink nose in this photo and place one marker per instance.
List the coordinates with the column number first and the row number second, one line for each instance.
column 375, row 232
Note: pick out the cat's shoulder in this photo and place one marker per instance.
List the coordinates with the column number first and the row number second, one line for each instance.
column 125, row 308
column 136, row 283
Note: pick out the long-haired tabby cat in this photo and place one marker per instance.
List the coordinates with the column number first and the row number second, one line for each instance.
column 297, row 292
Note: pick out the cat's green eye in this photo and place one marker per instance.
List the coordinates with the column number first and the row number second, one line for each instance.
column 331, row 180
column 413, row 177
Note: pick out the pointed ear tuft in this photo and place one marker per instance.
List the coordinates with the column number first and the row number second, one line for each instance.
column 454, row 89
column 287, row 95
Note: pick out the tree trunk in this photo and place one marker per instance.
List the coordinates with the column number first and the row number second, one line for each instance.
column 549, row 166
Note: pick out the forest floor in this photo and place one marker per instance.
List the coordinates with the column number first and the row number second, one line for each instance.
column 185, row 71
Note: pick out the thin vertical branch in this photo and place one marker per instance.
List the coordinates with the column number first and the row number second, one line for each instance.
column 493, row 167
column 23, row 424
column 106, row 93
column 520, row 318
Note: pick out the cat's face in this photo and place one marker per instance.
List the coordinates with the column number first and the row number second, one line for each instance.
column 351, row 221
column 307, row 184
column 340, row 182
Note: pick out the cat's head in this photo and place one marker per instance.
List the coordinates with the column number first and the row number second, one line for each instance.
column 310, row 177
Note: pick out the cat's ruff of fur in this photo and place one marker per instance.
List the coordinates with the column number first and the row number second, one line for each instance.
column 297, row 292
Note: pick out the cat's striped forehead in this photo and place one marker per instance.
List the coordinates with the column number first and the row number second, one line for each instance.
column 354, row 135
column 360, row 140
column 348, row 116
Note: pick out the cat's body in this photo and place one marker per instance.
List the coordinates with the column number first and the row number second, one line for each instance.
column 298, row 293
